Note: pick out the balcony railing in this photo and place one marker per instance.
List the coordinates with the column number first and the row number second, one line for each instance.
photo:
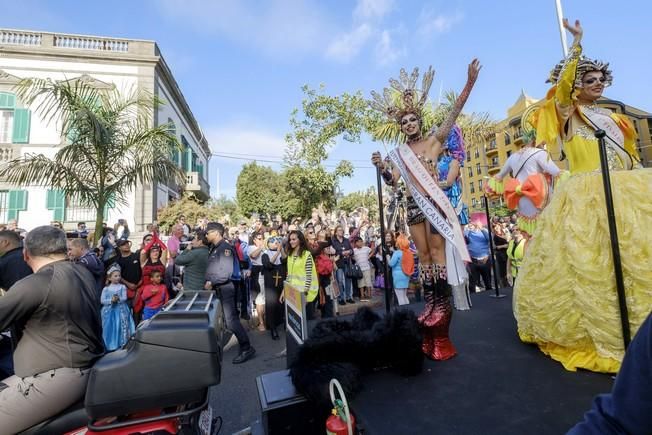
column 46, row 40
column 195, row 183
column 8, row 152
column 87, row 43
column 11, row 37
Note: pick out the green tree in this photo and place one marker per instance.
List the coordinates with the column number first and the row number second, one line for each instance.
column 258, row 190
column 315, row 129
column 111, row 146
column 223, row 210
column 364, row 198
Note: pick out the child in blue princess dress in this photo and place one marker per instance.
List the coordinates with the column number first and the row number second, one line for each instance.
column 117, row 321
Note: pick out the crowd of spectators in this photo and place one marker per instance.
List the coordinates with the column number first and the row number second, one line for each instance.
column 339, row 260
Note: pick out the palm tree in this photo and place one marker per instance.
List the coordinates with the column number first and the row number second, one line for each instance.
column 110, row 149
column 475, row 126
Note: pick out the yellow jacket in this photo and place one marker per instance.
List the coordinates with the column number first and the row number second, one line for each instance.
column 302, row 274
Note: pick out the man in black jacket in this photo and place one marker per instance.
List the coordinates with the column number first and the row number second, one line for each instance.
column 222, row 263
column 12, row 268
column 12, row 264
column 58, row 312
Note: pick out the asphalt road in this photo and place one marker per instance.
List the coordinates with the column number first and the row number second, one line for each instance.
column 235, row 399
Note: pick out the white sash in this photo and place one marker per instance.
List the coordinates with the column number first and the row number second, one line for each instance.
column 413, row 171
column 615, row 137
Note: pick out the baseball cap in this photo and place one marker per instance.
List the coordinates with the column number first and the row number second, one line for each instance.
column 122, row 242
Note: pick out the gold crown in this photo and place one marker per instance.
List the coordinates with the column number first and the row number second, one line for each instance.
column 403, row 97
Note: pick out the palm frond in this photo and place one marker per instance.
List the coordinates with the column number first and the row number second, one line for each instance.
column 111, row 145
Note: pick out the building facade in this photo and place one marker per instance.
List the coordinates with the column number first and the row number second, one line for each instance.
column 485, row 158
column 101, row 62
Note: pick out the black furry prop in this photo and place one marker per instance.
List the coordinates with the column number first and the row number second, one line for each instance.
column 345, row 350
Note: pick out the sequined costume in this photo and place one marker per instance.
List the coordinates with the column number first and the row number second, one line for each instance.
column 455, row 146
column 436, row 317
column 565, row 295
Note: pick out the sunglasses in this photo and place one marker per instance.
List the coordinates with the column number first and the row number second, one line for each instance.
column 594, row 79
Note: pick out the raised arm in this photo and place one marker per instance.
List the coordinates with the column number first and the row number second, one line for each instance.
column 445, row 127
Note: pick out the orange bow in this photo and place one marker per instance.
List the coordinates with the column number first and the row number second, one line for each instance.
column 534, row 188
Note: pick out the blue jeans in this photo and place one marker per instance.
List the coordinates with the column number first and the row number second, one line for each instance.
column 345, row 285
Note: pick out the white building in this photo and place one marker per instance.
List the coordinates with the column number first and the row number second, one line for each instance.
column 102, row 62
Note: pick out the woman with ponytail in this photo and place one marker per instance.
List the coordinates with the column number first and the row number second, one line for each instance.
column 402, row 264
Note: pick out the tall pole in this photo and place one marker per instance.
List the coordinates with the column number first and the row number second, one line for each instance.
column 562, row 32
column 492, row 259
column 613, row 234
column 381, row 216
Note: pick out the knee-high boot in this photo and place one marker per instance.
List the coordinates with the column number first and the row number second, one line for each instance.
column 436, row 317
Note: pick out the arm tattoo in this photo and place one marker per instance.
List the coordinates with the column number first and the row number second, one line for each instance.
column 445, row 127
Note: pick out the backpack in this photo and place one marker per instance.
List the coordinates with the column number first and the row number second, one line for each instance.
column 324, row 264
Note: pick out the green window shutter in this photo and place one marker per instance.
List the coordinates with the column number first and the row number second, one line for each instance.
column 110, row 203
column 56, row 201
column 17, row 202
column 189, row 159
column 7, row 100
column 21, row 126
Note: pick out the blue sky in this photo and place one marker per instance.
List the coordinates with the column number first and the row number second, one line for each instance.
column 241, row 64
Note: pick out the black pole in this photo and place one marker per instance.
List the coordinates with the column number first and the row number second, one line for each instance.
column 381, row 216
column 494, row 269
column 613, row 234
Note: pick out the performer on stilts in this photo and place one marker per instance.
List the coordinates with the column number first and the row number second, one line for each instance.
column 530, row 187
column 433, row 223
column 565, row 298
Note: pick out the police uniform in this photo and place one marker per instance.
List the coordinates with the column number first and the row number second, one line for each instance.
column 221, row 269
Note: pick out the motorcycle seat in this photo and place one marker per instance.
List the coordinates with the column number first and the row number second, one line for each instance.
column 71, row 418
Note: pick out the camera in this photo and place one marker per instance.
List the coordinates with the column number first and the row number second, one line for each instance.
column 184, row 244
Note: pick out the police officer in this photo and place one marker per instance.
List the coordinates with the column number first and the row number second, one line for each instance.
column 222, row 268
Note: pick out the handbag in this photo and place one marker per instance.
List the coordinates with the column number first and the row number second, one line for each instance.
column 352, row 270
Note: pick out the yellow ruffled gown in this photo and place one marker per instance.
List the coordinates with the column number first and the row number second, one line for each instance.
column 565, row 298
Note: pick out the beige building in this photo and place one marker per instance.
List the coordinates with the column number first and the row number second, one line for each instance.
column 126, row 64
column 485, row 159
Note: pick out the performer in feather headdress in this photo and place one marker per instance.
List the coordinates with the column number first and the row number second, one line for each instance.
column 432, row 220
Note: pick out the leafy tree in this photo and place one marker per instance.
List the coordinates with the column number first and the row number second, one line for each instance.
column 322, row 120
column 258, row 190
column 366, row 198
column 222, row 210
column 111, row 149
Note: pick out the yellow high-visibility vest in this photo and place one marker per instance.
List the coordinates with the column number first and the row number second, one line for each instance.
column 302, row 274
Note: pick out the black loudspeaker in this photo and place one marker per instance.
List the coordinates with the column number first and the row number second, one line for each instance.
column 283, row 410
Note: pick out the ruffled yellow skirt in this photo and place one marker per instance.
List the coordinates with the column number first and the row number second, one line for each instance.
column 565, row 298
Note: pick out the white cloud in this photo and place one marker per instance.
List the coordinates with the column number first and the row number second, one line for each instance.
column 386, row 50
column 368, row 9
column 430, row 23
column 240, row 141
column 277, row 27
column 348, row 45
